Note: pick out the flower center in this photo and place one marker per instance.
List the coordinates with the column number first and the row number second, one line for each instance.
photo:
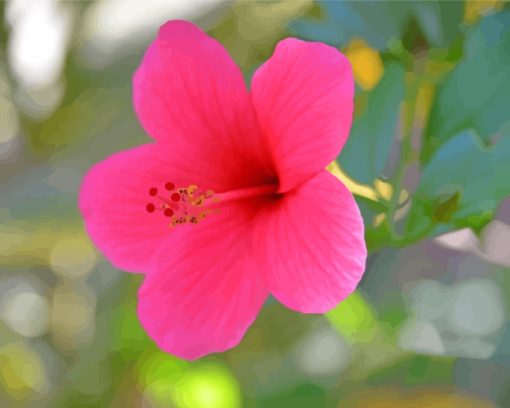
column 182, row 205
column 192, row 205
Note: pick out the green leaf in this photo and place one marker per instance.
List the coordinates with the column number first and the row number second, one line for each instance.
column 475, row 94
column 445, row 208
column 375, row 236
column 379, row 22
column 439, row 21
column 464, row 181
column 366, row 152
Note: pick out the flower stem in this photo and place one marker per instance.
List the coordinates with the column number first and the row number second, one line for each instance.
column 413, row 123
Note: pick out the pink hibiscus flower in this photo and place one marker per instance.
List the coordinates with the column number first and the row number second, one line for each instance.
column 232, row 202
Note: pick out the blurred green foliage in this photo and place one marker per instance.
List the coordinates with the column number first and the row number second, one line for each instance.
column 429, row 153
column 376, row 127
column 475, row 94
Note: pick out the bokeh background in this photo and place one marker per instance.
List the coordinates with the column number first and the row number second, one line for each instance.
column 428, row 161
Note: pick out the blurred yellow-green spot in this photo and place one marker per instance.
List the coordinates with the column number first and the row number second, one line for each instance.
column 255, row 27
column 10, row 239
column 475, row 9
column 158, row 376
column 210, row 386
column 128, row 337
column 424, row 101
column 79, row 119
column 73, row 256
column 366, row 62
column 168, row 380
column 378, row 219
column 73, row 316
column 274, row 15
column 9, row 118
column 162, row 366
column 384, row 191
column 354, row 318
column 24, row 242
column 22, row 371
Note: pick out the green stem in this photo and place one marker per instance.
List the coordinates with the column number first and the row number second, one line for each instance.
column 405, row 154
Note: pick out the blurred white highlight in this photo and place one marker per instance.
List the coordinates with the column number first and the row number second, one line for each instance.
column 23, row 307
column 476, row 308
column 25, row 312
column 9, row 123
column 113, row 29
column 421, row 337
column 323, row 353
column 38, row 40
column 464, row 319
column 461, row 240
column 496, row 242
column 40, row 32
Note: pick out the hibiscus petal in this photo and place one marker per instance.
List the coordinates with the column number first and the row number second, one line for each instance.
column 188, row 91
column 312, row 239
column 206, row 289
column 115, row 193
column 303, row 96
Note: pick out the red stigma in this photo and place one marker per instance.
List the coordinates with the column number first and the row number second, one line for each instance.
column 181, row 205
